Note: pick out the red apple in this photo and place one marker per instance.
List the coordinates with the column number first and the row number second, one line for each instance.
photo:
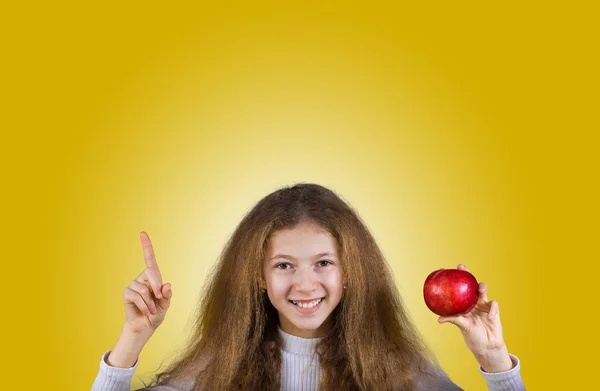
column 450, row 292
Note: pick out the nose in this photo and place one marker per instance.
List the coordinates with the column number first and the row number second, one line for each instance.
column 305, row 280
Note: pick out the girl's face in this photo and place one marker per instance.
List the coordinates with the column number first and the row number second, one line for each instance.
column 303, row 278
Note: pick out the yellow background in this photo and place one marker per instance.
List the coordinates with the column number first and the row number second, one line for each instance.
column 461, row 133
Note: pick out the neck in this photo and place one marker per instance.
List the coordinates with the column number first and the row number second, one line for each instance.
column 298, row 345
column 319, row 332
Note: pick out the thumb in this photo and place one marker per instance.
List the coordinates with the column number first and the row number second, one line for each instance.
column 459, row 321
column 167, row 292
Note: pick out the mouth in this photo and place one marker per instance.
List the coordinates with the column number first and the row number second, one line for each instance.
column 307, row 306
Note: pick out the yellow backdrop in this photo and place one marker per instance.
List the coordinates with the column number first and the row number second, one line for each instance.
column 461, row 134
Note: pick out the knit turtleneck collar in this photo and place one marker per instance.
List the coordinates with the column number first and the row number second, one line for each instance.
column 298, row 345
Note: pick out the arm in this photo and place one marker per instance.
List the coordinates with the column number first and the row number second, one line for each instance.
column 505, row 381
column 482, row 331
column 437, row 379
column 118, row 365
column 119, row 379
column 146, row 301
column 113, row 378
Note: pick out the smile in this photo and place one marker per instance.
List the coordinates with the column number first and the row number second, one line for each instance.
column 305, row 304
column 307, row 307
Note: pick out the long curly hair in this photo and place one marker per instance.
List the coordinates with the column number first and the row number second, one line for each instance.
column 235, row 344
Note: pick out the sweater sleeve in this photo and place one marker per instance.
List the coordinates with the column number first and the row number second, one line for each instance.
column 112, row 378
column 505, row 381
column 437, row 379
column 119, row 379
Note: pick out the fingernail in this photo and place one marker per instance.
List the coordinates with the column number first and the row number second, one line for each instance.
column 147, row 313
column 159, row 295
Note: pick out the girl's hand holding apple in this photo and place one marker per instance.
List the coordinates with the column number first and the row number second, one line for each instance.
column 459, row 299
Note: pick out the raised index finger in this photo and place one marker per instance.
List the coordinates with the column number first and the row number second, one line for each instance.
column 151, row 272
column 149, row 257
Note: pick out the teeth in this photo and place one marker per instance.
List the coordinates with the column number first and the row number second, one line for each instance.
column 308, row 305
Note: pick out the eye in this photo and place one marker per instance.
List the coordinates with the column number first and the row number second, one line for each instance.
column 321, row 263
column 284, row 264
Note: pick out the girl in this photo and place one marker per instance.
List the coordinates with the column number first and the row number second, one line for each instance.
column 301, row 299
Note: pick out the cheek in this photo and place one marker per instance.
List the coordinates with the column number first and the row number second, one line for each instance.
column 333, row 282
column 277, row 285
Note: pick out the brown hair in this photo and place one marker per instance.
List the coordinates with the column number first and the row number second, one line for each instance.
column 235, row 344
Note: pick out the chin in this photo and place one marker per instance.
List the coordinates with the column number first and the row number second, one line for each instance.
column 308, row 324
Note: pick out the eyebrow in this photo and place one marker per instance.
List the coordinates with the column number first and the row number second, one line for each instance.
column 294, row 259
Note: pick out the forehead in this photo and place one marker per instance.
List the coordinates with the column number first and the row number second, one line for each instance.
column 305, row 239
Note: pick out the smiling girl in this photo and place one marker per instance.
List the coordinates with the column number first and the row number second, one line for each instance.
column 301, row 299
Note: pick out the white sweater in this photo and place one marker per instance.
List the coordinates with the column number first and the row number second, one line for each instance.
column 301, row 372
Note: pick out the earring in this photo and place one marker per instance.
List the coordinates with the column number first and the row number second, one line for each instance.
column 344, row 287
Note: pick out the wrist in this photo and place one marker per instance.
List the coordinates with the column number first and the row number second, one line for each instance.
column 128, row 348
column 132, row 334
column 494, row 361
